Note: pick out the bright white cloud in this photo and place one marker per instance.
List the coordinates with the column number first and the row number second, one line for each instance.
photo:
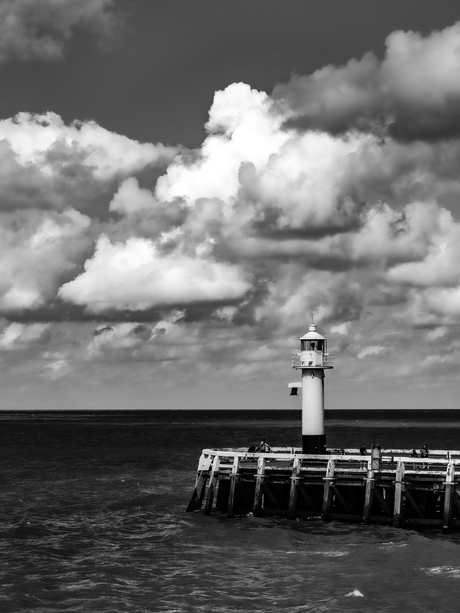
column 107, row 154
column 134, row 275
column 304, row 181
column 242, row 129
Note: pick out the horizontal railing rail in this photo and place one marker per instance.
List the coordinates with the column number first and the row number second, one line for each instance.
column 387, row 455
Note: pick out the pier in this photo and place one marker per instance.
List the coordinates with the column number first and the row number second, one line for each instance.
column 387, row 486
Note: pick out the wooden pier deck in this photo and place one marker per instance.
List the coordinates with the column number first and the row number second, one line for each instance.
column 386, row 486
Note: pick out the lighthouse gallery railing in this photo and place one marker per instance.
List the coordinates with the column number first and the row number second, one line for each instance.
column 320, row 360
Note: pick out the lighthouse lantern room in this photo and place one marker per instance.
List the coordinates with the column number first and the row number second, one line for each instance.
column 312, row 361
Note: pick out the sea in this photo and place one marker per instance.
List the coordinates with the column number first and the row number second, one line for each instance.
column 92, row 519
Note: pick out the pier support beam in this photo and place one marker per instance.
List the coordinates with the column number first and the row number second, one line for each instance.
column 200, row 486
column 448, row 490
column 213, row 483
column 327, row 494
column 399, row 485
column 293, row 493
column 373, row 467
column 259, row 486
column 233, row 481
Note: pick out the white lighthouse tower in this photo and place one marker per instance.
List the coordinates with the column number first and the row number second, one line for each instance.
column 312, row 361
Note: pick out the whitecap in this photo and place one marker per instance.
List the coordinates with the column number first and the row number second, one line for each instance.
column 356, row 593
column 332, row 554
column 391, row 546
column 445, row 571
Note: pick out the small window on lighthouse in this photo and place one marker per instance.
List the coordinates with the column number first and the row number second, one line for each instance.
column 313, row 346
column 303, row 345
column 320, row 345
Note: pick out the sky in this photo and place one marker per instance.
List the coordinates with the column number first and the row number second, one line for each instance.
column 183, row 184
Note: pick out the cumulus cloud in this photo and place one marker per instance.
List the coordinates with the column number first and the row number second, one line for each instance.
column 337, row 195
column 16, row 336
column 370, row 350
column 48, row 165
column 421, row 74
column 334, row 98
column 414, row 91
column 444, row 302
column 302, row 185
column 135, row 275
column 441, row 264
column 242, row 130
column 131, row 198
column 35, row 138
column 36, row 251
column 41, row 29
column 49, row 172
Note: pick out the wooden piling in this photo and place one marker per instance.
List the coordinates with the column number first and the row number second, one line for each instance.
column 200, row 485
column 213, row 483
column 293, row 493
column 368, row 496
column 259, row 486
column 327, row 494
column 399, row 484
column 233, row 482
column 448, row 487
column 373, row 468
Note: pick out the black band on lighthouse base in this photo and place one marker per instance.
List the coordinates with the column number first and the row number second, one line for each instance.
column 314, row 443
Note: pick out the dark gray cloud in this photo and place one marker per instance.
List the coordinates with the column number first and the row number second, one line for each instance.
column 41, row 29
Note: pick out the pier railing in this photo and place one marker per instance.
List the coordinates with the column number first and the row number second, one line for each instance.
column 386, row 486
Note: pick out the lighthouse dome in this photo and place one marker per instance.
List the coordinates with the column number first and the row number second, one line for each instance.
column 312, row 334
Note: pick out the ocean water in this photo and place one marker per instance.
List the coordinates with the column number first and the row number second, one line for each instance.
column 92, row 518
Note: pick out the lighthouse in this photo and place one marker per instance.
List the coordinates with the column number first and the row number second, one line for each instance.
column 312, row 361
